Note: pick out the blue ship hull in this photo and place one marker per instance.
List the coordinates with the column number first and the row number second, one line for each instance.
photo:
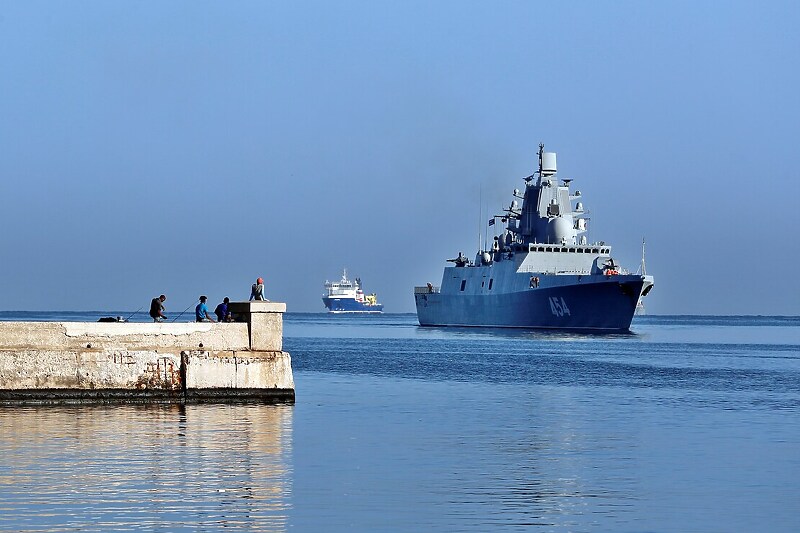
column 350, row 305
column 596, row 303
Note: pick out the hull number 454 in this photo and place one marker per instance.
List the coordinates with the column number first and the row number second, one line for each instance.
column 558, row 306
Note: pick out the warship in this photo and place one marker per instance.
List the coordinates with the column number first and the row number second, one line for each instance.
column 540, row 271
column 346, row 296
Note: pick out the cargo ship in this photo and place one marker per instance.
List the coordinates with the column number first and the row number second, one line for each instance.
column 345, row 296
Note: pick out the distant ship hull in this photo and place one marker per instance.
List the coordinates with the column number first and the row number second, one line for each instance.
column 345, row 296
column 350, row 305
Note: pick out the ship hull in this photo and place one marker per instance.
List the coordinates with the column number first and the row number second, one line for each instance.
column 350, row 305
column 602, row 304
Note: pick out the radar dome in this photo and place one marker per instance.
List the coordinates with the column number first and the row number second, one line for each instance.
column 548, row 163
column 559, row 229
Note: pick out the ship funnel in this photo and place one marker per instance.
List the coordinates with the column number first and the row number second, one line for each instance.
column 548, row 163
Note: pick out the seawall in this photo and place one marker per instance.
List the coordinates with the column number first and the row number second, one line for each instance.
column 74, row 362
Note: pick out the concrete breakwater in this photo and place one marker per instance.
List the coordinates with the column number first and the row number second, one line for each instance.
column 73, row 362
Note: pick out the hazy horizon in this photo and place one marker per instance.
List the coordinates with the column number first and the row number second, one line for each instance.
column 189, row 148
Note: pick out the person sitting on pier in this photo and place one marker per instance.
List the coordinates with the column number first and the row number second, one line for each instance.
column 201, row 311
column 257, row 290
column 223, row 315
column 157, row 308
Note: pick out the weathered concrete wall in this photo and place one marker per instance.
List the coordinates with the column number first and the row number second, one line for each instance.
column 63, row 361
column 89, row 369
column 167, row 337
column 251, row 374
column 238, row 370
column 266, row 323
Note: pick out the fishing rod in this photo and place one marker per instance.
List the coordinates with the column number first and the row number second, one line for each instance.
column 177, row 317
column 142, row 307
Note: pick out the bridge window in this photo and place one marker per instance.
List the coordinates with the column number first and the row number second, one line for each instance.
column 463, row 284
column 491, row 281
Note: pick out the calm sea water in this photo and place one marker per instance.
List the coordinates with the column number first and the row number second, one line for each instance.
column 688, row 424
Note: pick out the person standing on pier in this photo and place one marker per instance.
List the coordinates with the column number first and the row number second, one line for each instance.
column 157, row 308
column 257, row 290
column 201, row 311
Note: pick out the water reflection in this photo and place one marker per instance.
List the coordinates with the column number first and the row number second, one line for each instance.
column 94, row 468
column 406, row 326
column 458, row 459
column 518, row 333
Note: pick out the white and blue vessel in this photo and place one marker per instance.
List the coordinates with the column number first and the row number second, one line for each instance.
column 345, row 296
column 539, row 272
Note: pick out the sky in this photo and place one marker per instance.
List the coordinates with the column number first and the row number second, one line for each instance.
column 188, row 148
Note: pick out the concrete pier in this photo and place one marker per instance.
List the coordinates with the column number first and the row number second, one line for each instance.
column 74, row 362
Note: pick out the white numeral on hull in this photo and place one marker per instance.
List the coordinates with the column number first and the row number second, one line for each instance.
column 558, row 306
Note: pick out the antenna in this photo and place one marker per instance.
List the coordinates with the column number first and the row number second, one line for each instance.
column 486, row 231
column 480, row 215
column 541, row 151
column 644, row 271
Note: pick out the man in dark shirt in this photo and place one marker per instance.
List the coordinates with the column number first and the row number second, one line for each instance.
column 222, row 310
column 157, row 309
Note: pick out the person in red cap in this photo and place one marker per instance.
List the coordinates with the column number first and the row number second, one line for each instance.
column 257, row 290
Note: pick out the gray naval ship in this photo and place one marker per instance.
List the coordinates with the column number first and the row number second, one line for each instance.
column 539, row 272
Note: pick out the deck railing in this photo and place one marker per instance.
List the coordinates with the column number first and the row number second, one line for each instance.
column 426, row 290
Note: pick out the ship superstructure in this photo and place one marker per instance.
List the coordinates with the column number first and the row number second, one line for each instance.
column 539, row 272
column 345, row 296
